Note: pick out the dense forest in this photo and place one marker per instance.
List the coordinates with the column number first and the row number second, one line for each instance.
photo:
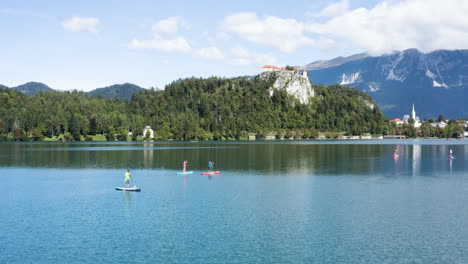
column 190, row 109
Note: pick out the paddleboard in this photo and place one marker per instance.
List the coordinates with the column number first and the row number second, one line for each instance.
column 211, row 173
column 128, row 189
column 187, row 172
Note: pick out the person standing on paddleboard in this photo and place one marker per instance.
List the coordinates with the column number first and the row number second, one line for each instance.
column 128, row 178
column 210, row 165
column 184, row 166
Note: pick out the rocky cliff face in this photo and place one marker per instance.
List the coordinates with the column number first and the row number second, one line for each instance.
column 294, row 84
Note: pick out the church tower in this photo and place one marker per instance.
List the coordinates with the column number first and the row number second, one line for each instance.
column 413, row 113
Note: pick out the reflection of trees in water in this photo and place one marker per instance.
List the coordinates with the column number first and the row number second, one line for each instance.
column 283, row 157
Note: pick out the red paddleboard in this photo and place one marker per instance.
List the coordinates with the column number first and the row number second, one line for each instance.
column 211, row 173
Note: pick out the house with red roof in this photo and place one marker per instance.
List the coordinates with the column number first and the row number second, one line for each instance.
column 397, row 121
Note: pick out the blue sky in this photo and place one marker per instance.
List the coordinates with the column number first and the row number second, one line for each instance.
column 90, row 44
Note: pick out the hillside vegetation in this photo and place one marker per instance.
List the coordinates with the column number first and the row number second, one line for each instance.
column 190, row 109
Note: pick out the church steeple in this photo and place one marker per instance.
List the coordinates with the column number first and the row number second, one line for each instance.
column 413, row 113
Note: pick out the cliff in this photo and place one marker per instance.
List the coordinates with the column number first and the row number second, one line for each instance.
column 294, row 84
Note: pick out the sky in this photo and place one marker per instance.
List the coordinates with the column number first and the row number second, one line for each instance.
column 89, row 44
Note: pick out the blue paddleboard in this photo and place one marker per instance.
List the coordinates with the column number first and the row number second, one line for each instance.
column 187, row 172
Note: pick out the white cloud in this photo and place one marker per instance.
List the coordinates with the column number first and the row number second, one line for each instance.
column 224, row 36
column 169, row 27
column 207, row 38
column 76, row 24
column 257, row 60
column 264, row 59
column 160, row 44
column 239, row 52
column 390, row 25
column 284, row 34
column 335, row 9
column 165, row 37
column 210, row 53
column 242, row 58
column 424, row 24
column 241, row 62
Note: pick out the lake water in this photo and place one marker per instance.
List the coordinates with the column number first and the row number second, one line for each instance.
column 275, row 202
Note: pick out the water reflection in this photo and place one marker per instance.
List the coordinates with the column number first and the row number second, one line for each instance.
column 127, row 201
column 285, row 158
column 148, row 155
column 416, row 162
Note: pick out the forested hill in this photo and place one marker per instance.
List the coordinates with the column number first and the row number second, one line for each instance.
column 123, row 91
column 32, row 88
column 190, row 109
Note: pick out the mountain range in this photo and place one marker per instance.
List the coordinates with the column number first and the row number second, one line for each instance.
column 123, row 91
column 436, row 82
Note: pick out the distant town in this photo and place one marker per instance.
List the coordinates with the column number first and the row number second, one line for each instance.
column 431, row 127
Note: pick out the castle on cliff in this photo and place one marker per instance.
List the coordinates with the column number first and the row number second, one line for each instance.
column 299, row 71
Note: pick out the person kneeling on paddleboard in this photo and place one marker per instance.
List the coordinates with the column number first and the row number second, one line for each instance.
column 128, row 178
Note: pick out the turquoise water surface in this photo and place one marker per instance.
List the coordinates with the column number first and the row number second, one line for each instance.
column 274, row 202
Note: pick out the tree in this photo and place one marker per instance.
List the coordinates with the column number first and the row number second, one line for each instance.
column 93, row 125
column 75, row 128
column 440, row 118
column 279, row 134
column 426, row 129
column 37, row 134
column 67, row 136
column 410, row 131
column 110, row 136
column 122, row 135
column 18, row 134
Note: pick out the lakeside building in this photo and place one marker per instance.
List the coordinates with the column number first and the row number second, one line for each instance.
column 150, row 130
column 440, row 124
column 417, row 122
column 397, row 121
